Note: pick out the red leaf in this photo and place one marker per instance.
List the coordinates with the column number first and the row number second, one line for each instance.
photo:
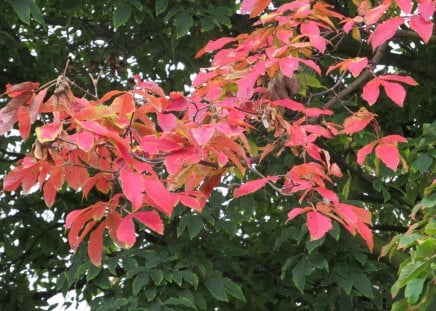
column 385, row 31
column 290, row 104
column 85, row 140
column 393, row 139
column 151, row 219
column 155, row 145
column 255, row 7
column 373, row 15
column 250, row 187
column 395, row 92
column 75, row 176
column 297, row 211
column 133, row 187
column 167, row 121
column 318, row 225
column 362, row 153
column 357, row 65
column 178, row 159
column 8, row 114
column 126, row 235
column 49, row 193
column 72, row 216
column 95, row 244
column 23, row 117
column 18, row 89
column 422, row 27
column 405, row 5
column 389, row 155
column 214, row 45
column 48, row 132
column 358, row 121
column 371, row 91
column 426, row 8
column 157, row 192
column 366, row 234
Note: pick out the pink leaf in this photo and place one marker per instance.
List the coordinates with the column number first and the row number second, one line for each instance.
column 395, row 92
column 151, row 219
column 357, row 65
column 371, row 91
column 133, row 187
column 426, row 8
column 48, row 132
column 373, row 15
column 290, row 104
column 327, row 194
column 125, row 233
column 250, row 187
column 85, row 140
column 389, row 155
column 393, row 139
column 318, row 225
column 422, row 27
column 362, row 153
column 155, row 145
column 288, row 65
column 385, row 31
column 255, row 7
column 297, row 211
column 405, row 5
column 358, row 121
column 167, row 121
column 202, row 135
column 404, row 79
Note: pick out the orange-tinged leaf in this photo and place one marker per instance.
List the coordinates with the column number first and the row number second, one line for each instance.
column 48, row 132
column 318, row 225
column 155, row 145
column 151, row 219
column 327, row 194
column 50, row 192
column 250, row 187
column 14, row 90
column 358, row 121
column 389, row 155
column 373, row 16
column 288, row 65
column 254, row 7
column 133, row 186
column 23, row 117
column 357, row 65
column 404, row 79
column 366, row 234
column 157, row 192
column 85, row 140
column 95, row 244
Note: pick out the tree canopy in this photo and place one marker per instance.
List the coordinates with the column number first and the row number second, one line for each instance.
column 296, row 170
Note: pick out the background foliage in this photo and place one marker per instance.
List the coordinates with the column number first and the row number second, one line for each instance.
column 238, row 253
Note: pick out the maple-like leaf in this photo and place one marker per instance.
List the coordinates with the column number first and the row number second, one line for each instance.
column 423, row 27
column 254, row 7
column 133, row 186
column 385, row 31
column 250, row 187
column 318, row 225
column 95, row 244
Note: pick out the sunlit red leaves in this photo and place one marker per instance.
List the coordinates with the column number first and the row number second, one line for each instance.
column 423, row 27
column 133, row 187
column 353, row 65
column 253, row 186
column 386, row 150
column 394, row 90
column 318, row 225
column 48, row 132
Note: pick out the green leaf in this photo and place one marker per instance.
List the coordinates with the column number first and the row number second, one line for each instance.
column 299, row 275
column 136, row 4
column 221, row 15
column 400, row 305
column 150, row 293
column 129, row 263
column 139, row 282
column 22, row 8
column 412, row 270
column 183, row 223
column 233, row 289
column 190, row 277
column 306, row 80
column 423, row 162
column 414, row 290
column 179, row 302
column 195, row 224
column 153, row 260
column 36, row 13
column 427, row 248
column 363, row 285
column 408, row 239
column 183, row 22
column 93, row 271
column 121, row 14
column 430, row 228
column 178, row 277
column 157, row 276
column 207, row 24
column 287, row 264
column 318, row 261
column 216, row 288
column 112, row 263
column 161, row 6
